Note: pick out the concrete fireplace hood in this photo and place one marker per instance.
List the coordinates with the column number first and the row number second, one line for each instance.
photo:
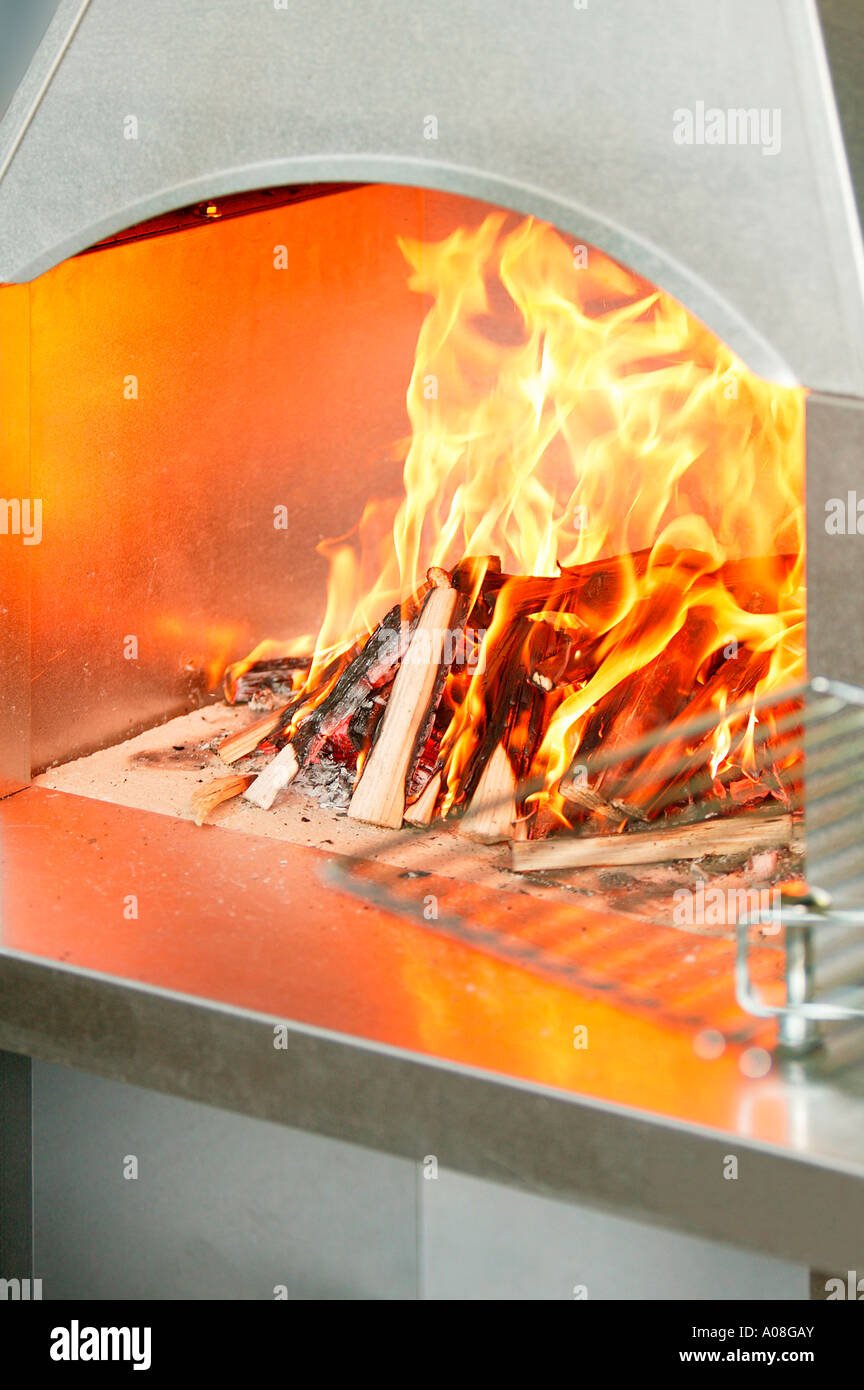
column 565, row 110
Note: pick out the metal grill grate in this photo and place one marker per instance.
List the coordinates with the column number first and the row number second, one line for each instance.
column 802, row 965
column 677, row 977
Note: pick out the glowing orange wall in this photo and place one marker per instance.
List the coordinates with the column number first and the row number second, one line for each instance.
column 257, row 387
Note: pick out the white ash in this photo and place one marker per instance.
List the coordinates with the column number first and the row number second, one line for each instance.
column 327, row 782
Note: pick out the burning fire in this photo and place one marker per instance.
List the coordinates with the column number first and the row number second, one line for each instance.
column 567, row 415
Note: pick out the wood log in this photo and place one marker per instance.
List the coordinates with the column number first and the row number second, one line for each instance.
column 502, row 686
column 245, row 741
column 275, row 677
column 649, row 698
column 379, row 797
column 587, row 799
column 350, row 698
column 526, row 735
column 479, row 573
column 212, row 794
column 429, row 761
column 371, row 668
column 278, row 773
column 421, row 810
column 595, row 580
column 569, row 662
column 527, row 723
column 426, row 729
column 668, row 774
column 492, row 812
column 746, row 834
column 360, row 729
column 542, row 821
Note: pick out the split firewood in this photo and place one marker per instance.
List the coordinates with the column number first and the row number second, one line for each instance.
column 687, row 799
column 747, row 834
column 426, row 728
column 586, row 799
column 595, row 584
column 542, row 821
column 491, row 815
column 360, row 729
column 511, row 720
column 372, row 667
column 278, row 773
column 668, row 774
column 277, row 676
column 523, row 743
column 429, row 761
column 502, row 690
column 421, row 810
column 594, row 581
column 351, row 695
column 477, row 573
column 650, row 698
column 310, row 723
column 569, row 661
column 582, row 592
column 379, row 796
column 542, row 645
column 754, row 581
column 245, row 741
column 731, row 676
column 212, row 794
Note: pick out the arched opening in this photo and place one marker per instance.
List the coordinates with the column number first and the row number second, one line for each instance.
column 260, row 425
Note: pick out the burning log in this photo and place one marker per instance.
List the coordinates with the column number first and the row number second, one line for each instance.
column 477, row 574
column 570, row 662
column 748, row 834
column 370, row 669
column 420, row 811
column 492, row 812
column 594, row 582
column 373, row 667
column 245, row 741
column 541, row 636
column 212, row 794
column 650, row 698
column 677, row 779
column 598, row 582
column 502, row 689
column 379, row 797
column 619, row 813
column 275, row 677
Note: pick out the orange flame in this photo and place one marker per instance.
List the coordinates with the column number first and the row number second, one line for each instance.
column 563, row 412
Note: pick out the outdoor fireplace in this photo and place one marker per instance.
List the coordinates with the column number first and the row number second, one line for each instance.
column 403, row 409
column 530, row 387
column 570, row 516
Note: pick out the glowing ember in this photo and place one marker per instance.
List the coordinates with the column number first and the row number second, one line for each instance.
column 579, row 425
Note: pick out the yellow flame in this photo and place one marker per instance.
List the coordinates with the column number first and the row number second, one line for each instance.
column 562, row 412
column 723, row 739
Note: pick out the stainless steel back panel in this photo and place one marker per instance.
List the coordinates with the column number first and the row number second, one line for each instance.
column 566, row 111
